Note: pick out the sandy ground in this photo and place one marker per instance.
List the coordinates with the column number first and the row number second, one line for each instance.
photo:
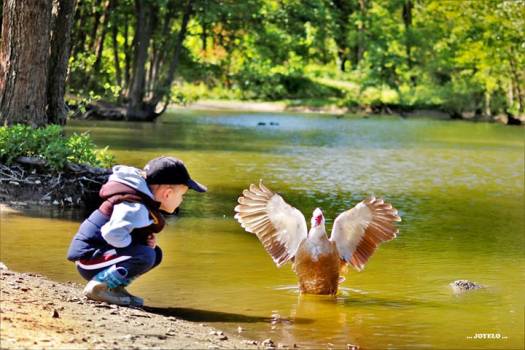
column 38, row 313
column 251, row 106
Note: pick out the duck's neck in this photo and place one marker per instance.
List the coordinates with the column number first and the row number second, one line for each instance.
column 317, row 234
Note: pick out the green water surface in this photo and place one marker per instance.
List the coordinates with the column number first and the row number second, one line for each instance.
column 459, row 188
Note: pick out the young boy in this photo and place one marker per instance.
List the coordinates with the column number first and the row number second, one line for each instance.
column 116, row 243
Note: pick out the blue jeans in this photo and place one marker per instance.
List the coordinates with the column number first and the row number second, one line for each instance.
column 142, row 259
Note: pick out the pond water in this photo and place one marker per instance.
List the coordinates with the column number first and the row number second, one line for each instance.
column 459, row 188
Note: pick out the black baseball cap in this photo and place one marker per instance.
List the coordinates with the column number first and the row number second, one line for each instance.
column 169, row 170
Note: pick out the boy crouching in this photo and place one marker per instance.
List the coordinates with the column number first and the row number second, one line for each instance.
column 116, row 243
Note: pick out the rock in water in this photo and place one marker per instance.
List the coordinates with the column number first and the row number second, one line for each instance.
column 461, row 286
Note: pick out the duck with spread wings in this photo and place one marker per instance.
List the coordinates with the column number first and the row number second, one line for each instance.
column 317, row 260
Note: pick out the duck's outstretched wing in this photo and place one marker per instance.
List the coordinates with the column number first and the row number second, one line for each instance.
column 357, row 232
column 279, row 226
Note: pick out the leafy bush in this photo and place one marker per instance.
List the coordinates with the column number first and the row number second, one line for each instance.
column 51, row 145
column 278, row 86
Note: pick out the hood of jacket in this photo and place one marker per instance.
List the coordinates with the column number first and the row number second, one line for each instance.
column 126, row 175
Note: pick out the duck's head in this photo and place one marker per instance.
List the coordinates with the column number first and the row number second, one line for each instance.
column 317, row 218
column 317, row 230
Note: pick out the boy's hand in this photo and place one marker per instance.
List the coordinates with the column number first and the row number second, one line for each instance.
column 151, row 241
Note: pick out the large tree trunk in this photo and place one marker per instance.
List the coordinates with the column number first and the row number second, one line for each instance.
column 136, row 107
column 58, row 62
column 24, row 54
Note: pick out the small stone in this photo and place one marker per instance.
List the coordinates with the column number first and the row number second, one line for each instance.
column 268, row 342
column 239, row 329
column 461, row 286
column 3, row 267
column 55, row 202
column 55, row 314
column 352, row 347
column 223, row 337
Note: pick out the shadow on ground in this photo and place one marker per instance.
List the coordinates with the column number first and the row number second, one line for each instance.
column 197, row 315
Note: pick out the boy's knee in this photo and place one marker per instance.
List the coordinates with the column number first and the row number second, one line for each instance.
column 158, row 256
column 147, row 256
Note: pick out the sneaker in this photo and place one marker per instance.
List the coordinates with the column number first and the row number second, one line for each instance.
column 99, row 291
column 135, row 300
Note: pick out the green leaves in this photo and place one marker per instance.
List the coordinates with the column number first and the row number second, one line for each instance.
column 51, row 145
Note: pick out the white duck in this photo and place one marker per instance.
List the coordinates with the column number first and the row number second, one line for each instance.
column 318, row 261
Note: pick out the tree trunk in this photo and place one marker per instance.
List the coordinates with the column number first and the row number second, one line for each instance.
column 344, row 10
column 362, row 32
column 96, row 22
column 100, row 40
column 342, row 60
column 114, row 34
column 165, row 44
column 58, row 62
column 516, row 81
column 127, row 56
column 24, row 54
column 135, row 110
column 408, row 5
column 79, row 40
column 407, row 20
column 164, row 90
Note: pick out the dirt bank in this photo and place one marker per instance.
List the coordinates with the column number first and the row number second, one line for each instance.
column 39, row 313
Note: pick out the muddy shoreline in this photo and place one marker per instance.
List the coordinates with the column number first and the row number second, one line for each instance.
column 39, row 313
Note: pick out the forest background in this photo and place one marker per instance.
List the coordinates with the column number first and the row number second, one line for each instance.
column 139, row 56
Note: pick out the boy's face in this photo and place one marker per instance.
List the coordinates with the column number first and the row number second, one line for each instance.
column 170, row 196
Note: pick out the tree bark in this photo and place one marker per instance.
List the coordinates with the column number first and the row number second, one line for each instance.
column 58, row 62
column 24, row 54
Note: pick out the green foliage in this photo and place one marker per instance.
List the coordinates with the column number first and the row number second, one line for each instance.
column 51, row 145
column 455, row 55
